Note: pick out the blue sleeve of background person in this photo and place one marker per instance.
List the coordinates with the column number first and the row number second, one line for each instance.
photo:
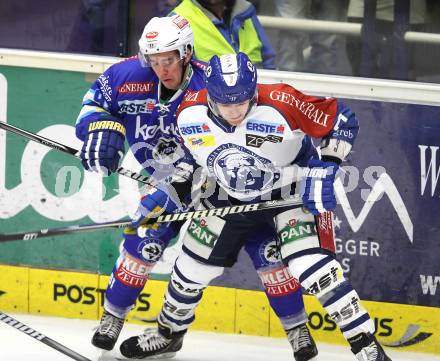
column 96, row 104
column 346, row 125
column 267, row 51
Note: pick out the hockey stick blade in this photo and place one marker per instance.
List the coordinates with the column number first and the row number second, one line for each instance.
column 40, row 337
column 223, row 211
column 66, row 149
column 27, row 236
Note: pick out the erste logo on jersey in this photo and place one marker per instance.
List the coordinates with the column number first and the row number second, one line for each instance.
column 133, row 107
column 241, row 170
column 195, row 128
column 264, row 127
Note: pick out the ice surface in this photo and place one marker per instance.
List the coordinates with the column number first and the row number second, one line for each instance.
column 198, row 346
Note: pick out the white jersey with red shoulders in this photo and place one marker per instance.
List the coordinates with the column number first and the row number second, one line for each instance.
column 263, row 153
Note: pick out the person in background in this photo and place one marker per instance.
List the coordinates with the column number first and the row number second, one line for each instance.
column 227, row 26
column 164, row 7
column 381, row 52
column 327, row 53
column 93, row 30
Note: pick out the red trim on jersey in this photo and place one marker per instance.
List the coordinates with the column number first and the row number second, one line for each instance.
column 314, row 116
column 199, row 64
column 324, row 227
column 191, row 98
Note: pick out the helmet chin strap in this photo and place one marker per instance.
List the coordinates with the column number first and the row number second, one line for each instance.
column 184, row 69
column 252, row 103
column 187, row 73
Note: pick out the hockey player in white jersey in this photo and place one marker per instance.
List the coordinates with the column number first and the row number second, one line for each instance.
column 136, row 101
column 254, row 140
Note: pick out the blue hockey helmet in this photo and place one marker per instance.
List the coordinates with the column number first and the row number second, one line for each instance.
column 231, row 79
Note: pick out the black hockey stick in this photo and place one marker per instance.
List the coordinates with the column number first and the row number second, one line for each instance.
column 181, row 216
column 66, row 149
column 223, row 211
column 40, row 337
column 27, row 236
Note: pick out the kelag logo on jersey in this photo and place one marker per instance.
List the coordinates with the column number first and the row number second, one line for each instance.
column 264, row 127
column 195, row 128
column 241, row 170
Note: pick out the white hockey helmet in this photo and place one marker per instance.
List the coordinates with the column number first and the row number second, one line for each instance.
column 165, row 34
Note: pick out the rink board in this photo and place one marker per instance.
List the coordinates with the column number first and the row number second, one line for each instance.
column 225, row 310
column 386, row 221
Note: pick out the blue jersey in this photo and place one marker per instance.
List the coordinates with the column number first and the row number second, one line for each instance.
column 130, row 94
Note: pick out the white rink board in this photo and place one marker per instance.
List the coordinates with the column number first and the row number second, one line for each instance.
column 198, row 346
column 314, row 84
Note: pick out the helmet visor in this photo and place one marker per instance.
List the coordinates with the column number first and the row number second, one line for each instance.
column 159, row 60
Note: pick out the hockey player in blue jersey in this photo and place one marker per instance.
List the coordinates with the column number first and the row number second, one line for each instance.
column 136, row 100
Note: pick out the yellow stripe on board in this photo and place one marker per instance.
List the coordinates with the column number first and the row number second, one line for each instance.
column 226, row 310
column 62, row 293
column 14, row 289
column 252, row 310
column 216, row 312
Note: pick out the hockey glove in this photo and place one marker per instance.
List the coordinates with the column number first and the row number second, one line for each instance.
column 152, row 205
column 317, row 190
column 104, row 146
